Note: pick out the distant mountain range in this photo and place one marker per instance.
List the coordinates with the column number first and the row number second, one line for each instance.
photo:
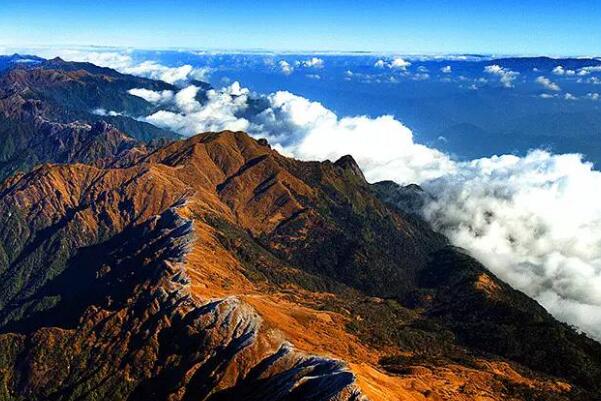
column 137, row 265
column 49, row 113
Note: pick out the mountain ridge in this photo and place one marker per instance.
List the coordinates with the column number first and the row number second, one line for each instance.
column 48, row 114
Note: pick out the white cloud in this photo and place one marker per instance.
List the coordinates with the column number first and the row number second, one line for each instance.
column 285, row 67
column 535, row 222
column 399, row 63
column 446, row 69
column 569, row 96
column 172, row 75
column 307, row 130
column 506, row 76
column 559, row 70
column 152, row 96
column 396, row 63
column 547, row 84
column 220, row 111
column 313, row 62
column 382, row 146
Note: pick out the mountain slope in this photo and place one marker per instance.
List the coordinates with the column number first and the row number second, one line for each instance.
column 10, row 61
column 111, row 316
column 51, row 111
column 184, row 274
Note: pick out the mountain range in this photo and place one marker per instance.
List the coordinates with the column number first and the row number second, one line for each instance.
column 139, row 265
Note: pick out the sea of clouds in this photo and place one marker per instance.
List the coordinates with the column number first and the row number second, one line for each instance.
column 535, row 220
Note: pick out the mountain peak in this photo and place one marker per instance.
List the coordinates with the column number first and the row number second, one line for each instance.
column 348, row 163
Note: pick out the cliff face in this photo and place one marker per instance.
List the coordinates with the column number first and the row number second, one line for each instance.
column 214, row 268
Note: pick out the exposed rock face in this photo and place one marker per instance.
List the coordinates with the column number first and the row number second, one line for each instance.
column 349, row 164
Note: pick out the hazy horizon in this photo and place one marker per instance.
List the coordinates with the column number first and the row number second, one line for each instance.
column 30, row 49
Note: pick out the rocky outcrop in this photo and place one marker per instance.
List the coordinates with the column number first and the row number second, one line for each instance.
column 347, row 163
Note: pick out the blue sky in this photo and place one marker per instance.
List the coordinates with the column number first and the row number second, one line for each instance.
column 547, row 27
